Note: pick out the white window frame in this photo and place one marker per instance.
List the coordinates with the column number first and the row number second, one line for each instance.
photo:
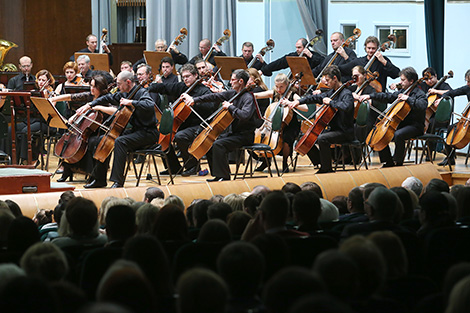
column 394, row 51
column 349, row 23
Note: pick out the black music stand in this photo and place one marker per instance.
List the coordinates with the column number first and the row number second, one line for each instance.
column 98, row 61
column 229, row 64
column 154, row 59
column 301, row 65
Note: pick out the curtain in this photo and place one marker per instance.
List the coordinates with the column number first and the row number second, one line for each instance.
column 100, row 17
column 314, row 15
column 129, row 17
column 434, row 19
column 202, row 18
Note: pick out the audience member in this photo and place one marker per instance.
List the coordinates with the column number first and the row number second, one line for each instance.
column 145, row 217
column 341, row 202
column 414, row 184
column 45, row 261
column 8, row 272
column 393, row 252
column 235, row 201
column 323, row 303
column 307, row 209
column 14, row 208
column 214, row 231
column 200, row 213
column 459, row 297
column 170, row 224
column 219, row 210
column 120, row 225
column 175, row 200
column 22, row 234
column 251, row 204
column 6, row 218
column 437, row 185
column 434, row 213
column 355, row 206
column 275, row 251
column 236, row 222
column 152, row 193
column 291, row 187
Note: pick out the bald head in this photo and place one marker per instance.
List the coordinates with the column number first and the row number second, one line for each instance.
column 26, row 64
column 125, row 81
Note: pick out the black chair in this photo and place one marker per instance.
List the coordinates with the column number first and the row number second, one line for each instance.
column 265, row 151
column 4, row 157
column 147, row 153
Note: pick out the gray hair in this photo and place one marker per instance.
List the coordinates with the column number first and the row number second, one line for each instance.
column 84, row 57
column 414, row 184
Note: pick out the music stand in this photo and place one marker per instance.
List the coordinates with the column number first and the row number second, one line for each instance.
column 98, row 61
column 301, row 65
column 154, row 59
column 50, row 114
column 229, row 64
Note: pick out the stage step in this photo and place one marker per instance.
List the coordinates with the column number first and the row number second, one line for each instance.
column 23, row 180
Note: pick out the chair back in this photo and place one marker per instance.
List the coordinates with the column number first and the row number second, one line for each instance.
column 444, row 110
column 363, row 114
column 166, row 124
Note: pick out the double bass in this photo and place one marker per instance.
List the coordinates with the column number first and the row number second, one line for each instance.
column 384, row 47
column 179, row 39
column 221, row 119
column 219, row 42
column 384, row 130
column 431, row 109
column 323, row 118
column 459, row 135
column 311, row 43
column 269, row 46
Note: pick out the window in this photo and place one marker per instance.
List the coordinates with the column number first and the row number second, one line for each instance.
column 348, row 31
column 400, row 32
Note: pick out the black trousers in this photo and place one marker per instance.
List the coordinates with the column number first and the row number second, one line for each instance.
column 324, row 141
column 218, row 154
column 183, row 138
column 401, row 135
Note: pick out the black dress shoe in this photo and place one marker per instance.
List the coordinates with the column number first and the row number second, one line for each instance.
column 65, row 177
column 324, row 171
column 216, row 179
column 165, row 172
column 388, row 164
column 191, row 171
column 117, row 185
column 261, row 167
column 95, row 184
column 446, row 161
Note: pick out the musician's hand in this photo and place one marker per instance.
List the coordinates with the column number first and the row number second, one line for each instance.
column 70, row 120
column 316, row 92
column 105, row 48
column 307, row 53
column 326, row 101
column 226, row 104
column 342, row 52
column 173, row 47
column 126, row 102
column 380, row 57
column 393, row 86
column 216, row 47
column 432, row 91
column 188, row 99
column 402, row 97
column 364, row 97
column 83, row 109
column 355, row 96
column 260, row 58
column 436, row 103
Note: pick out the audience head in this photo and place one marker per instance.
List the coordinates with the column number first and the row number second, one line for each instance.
column 458, row 298
column 369, row 187
column 356, row 200
column 275, row 251
column 6, row 218
column 274, row 209
column 291, row 187
column 43, row 217
column 414, row 184
column 219, row 210
column 306, row 207
column 382, row 205
column 235, row 201
column 236, row 222
column 214, row 231
column 22, row 234
column 170, row 224
column 152, row 193
column 14, row 208
column 200, row 212
column 434, row 206
column 145, row 217
column 8, row 272
column 463, row 202
column 454, row 274
column 341, row 202
column 251, row 203
column 82, row 217
column 406, row 201
column 313, row 187
column 260, row 190
column 437, row 185
column 120, row 223
column 45, row 261
column 393, row 252
column 175, row 200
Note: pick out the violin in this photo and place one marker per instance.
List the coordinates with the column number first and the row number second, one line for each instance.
column 181, row 111
column 357, row 33
column 382, row 133
column 459, row 135
column 179, row 39
column 360, row 89
column 325, row 114
column 121, row 117
column 222, row 119
column 269, row 47
column 384, row 47
column 219, row 42
column 73, row 144
column 431, row 109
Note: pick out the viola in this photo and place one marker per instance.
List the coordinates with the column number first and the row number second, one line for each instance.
column 325, row 114
column 382, row 133
column 384, row 47
column 73, row 144
column 459, row 135
column 179, row 39
column 360, row 89
column 431, row 109
column 121, row 117
column 357, row 33
column 269, row 47
column 219, row 42
column 222, row 119
column 181, row 111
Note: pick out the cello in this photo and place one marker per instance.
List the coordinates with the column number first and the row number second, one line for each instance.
column 323, row 118
column 219, row 42
column 222, row 119
column 269, row 47
column 361, row 88
column 384, row 47
column 384, row 130
column 459, row 135
column 121, row 117
column 431, row 109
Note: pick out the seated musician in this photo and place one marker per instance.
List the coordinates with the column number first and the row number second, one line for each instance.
column 16, row 82
column 188, row 130
column 166, row 66
column 91, row 47
column 160, row 45
column 461, row 91
column 382, row 64
column 412, row 125
column 341, row 127
column 83, row 63
column 241, row 131
column 344, row 55
column 98, row 87
column 247, row 55
column 126, row 66
column 72, row 79
column 313, row 58
column 204, row 47
column 145, row 77
column 291, row 130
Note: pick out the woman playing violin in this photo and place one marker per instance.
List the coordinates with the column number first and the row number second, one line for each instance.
column 98, row 87
column 291, row 130
column 412, row 125
column 44, row 82
column 70, row 71
column 341, row 127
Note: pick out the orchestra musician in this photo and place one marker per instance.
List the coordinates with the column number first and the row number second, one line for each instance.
column 127, row 66
column 240, row 133
column 341, row 127
column 166, row 66
column 345, row 55
column 161, row 45
column 461, row 91
column 142, row 133
column 413, row 124
column 291, row 130
column 204, row 68
column 314, row 58
column 247, row 55
column 72, row 79
column 83, row 63
column 145, row 77
column 189, row 128
column 255, row 78
column 91, row 47
column 16, row 82
column 204, row 47
column 382, row 64
column 98, row 87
